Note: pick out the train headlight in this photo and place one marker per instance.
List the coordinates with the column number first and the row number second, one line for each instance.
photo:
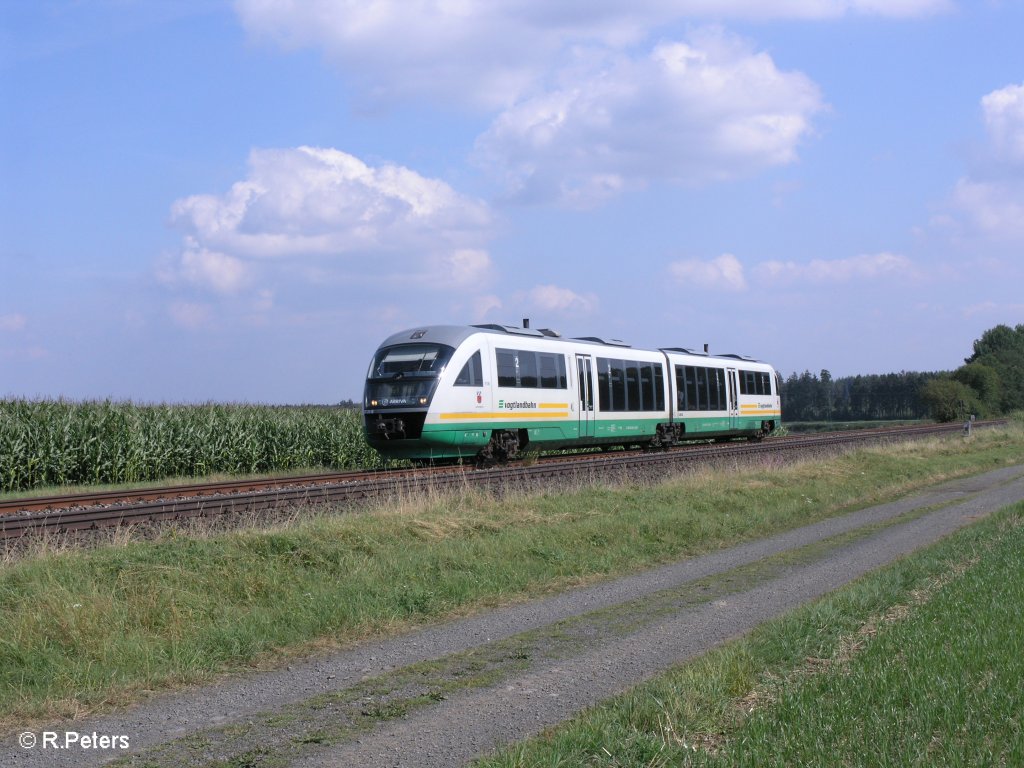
column 423, row 401
column 373, row 403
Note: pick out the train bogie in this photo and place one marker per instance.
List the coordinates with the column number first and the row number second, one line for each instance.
column 488, row 393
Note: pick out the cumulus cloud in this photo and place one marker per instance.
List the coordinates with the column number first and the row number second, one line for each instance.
column 994, row 208
column 862, row 267
column 491, row 53
column 551, row 298
column 222, row 273
column 990, row 199
column 724, row 272
column 324, row 205
column 1004, row 118
column 324, row 201
column 467, row 267
column 705, row 109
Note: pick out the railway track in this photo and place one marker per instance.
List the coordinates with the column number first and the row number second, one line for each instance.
column 91, row 511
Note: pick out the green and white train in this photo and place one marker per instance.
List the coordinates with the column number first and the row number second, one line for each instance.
column 488, row 392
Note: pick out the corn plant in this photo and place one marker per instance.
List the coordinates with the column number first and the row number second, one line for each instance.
column 58, row 442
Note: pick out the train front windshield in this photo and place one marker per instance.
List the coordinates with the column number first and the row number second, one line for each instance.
column 405, row 374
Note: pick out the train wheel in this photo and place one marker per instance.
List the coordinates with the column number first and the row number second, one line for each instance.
column 503, row 445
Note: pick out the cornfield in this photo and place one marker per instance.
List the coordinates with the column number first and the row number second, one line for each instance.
column 56, row 442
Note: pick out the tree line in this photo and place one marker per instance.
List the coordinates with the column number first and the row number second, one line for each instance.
column 989, row 383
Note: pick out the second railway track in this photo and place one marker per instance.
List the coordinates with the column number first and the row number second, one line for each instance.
column 83, row 512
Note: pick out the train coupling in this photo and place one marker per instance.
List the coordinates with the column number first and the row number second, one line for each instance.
column 391, row 429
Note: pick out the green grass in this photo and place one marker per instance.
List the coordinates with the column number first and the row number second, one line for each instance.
column 48, row 443
column 919, row 664
column 82, row 630
column 802, row 427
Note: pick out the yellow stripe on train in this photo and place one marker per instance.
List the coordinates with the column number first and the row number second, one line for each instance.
column 507, row 415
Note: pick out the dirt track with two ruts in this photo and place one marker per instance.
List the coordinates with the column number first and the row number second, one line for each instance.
column 443, row 695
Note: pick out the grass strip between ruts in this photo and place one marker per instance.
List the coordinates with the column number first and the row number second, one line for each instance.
column 918, row 664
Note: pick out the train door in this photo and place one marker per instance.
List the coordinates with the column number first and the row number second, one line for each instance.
column 734, row 398
column 586, row 395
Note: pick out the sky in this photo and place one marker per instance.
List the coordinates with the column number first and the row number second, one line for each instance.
column 215, row 201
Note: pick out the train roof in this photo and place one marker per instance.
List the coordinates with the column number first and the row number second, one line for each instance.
column 454, row 335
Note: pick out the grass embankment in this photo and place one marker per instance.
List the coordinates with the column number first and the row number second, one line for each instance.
column 919, row 664
column 56, row 443
column 82, row 630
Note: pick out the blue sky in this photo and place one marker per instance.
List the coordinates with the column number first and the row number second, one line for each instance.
column 238, row 201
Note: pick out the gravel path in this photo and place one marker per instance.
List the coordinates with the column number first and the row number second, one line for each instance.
column 287, row 712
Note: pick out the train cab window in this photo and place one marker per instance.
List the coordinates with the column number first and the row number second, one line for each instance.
column 472, row 374
column 427, row 359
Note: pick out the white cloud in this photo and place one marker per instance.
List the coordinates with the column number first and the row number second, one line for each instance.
column 1004, row 118
column 816, row 9
column 484, row 305
column 13, row 322
column 466, row 267
column 551, row 298
column 995, row 208
column 222, row 273
column 323, row 201
column 863, row 267
column 990, row 200
column 491, row 53
column 325, row 215
column 724, row 272
column 707, row 109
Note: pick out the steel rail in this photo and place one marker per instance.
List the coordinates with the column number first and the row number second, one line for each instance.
column 357, row 487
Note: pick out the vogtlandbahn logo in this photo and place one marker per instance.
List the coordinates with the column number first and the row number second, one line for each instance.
column 516, row 406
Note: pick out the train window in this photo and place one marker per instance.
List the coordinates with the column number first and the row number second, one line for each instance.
column 692, row 404
column 747, row 383
column 716, row 378
column 552, row 371
column 618, row 385
column 634, row 401
column 506, row 367
column 472, row 374
column 659, row 388
column 702, row 389
column 633, row 385
column 531, row 370
column 528, row 369
column 604, row 383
